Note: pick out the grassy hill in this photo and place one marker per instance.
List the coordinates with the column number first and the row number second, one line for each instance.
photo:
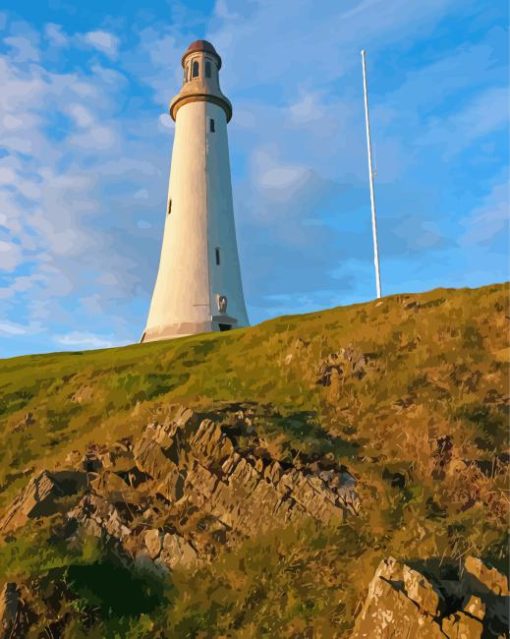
column 408, row 394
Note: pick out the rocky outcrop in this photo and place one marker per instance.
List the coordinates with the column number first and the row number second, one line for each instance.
column 345, row 363
column 184, row 489
column 402, row 602
column 40, row 497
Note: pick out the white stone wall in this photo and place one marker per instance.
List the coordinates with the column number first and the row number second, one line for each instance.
column 224, row 279
column 201, row 220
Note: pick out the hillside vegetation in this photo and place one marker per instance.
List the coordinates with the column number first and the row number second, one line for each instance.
column 407, row 398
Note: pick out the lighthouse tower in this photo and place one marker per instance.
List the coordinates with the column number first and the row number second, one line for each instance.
column 198, row 286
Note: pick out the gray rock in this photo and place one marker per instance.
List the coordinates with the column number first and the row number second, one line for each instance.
column 9, row 609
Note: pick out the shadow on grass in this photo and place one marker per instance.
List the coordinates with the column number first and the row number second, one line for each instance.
column 116, row 590
column 307, row 436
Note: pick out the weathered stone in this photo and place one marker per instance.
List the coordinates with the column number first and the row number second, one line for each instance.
column 210, row 443
column 95, row 513
column 491, row 587
column 39, row 497
column 183, row 474
column 344, row 363
column 153, row 541
column 403, row 603
column 476, row 573
column 462, row 626
column 150, row 458
column 421, row 591
column 9, row 609
column 474, row 606
column 73, row 458
column 388, row 613
column 177, row 552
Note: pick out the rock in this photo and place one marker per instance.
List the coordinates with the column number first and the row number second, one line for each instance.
column 97, row 516
column 477, row 574
column 185, row 488
column 389, row 612
column 153, row 541
column 177, row 552
column 347, row 362
column 9, row 609
column 421, row 591
column 196, row 459
column 40, row 495
column 73, row 458
column 474, row 606
column 491, row 587
column 462, row 626
column 92, row 460
column 402, row 603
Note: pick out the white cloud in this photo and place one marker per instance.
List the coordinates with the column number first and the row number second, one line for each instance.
column 81, row 339
column 10, row 256
column 103, row 41
column 14, row 328
column 23, row 48
column 55, row 35
column 10, row 122
column 59, row 214
column 487, row 112
column 96, row 138
column 306, row 109
column 7, row 175
column 166, row 121
column 81, row 115
column 491, row 218
column 270, row 174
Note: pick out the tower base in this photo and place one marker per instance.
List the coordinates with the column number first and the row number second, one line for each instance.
column 171, row 331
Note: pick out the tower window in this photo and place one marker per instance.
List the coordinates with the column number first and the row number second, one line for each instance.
column 195, row 69
column 207, row 69
column 169, row 209
column 217, row 256
column 211, row 125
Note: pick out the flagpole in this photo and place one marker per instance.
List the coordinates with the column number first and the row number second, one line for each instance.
column 371, row 177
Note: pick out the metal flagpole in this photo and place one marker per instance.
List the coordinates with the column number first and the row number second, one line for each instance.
column 371, row 177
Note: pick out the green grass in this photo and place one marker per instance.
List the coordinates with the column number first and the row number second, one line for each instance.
column 436, row 366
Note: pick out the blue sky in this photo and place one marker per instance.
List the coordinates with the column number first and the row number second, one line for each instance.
column 85, row 151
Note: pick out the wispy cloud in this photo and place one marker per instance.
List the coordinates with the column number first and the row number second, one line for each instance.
column 103, row 41
column 486, row 113
column 14, row 329
column 491, row 219
column 77, row 339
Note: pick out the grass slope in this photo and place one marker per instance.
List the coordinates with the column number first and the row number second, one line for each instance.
column 423, row 428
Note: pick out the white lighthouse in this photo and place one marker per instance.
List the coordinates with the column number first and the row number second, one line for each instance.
column 198, row 287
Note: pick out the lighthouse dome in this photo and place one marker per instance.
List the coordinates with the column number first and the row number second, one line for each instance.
column 203, row 46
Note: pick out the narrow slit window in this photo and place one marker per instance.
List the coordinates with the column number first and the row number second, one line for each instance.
column 211, row 125
column 195, row 69
column 169, row 210
column 217, row 257
column 207, row 69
